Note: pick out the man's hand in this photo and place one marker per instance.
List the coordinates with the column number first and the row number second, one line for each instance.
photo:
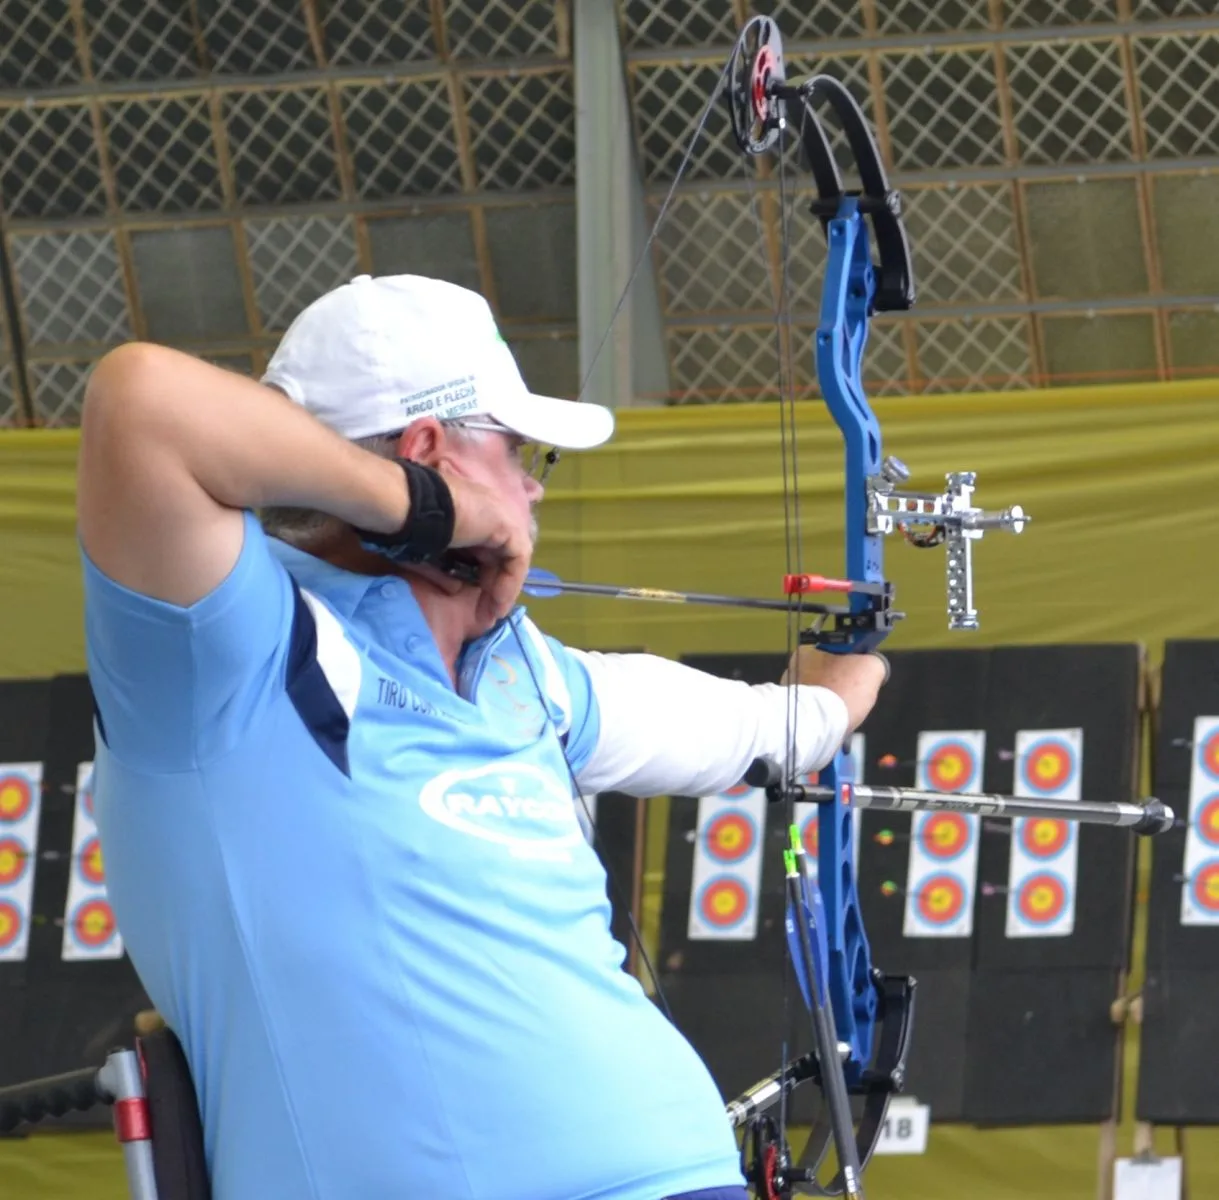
column 488, row 532
column 857, row 678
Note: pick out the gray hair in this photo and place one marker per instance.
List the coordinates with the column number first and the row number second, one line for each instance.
column 304, row 527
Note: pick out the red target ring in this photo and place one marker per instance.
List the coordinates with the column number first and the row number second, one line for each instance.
column 1042, row 898
column 1205, row 886
column 14, row 859
column 1206, row 821
column 11, row 924
column 1208, row 755
column 730, row 837
column 93, row 924
column 16, row 796
column 945, row 835
column 723, row 902
column 941, row 899
column 1044, row 837
column 736, row 791
column 1048, row 765
column 950, row 766
column 90, row 863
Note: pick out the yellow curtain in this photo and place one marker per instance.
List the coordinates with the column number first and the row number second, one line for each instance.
column 1122, row 484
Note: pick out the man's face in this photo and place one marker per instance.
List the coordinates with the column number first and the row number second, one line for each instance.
column 500, row 461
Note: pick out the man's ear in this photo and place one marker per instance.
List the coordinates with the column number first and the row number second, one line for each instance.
column 422, row 441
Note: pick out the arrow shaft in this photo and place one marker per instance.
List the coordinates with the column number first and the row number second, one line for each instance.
column 663, row 596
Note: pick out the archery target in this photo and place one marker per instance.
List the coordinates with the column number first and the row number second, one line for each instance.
column 727, row 865
column 1041, row 898
column 940, row 901
column 20, row 811
column 90, row 931
column 807, row 814
column 1200, row 869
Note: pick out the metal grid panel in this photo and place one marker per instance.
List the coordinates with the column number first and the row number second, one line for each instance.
column 668, row 99
column 1158, row 10
column 885, row 369
column 533, row 260
column 282, row 146
column 943, row 108
column 358, row 33
column 48, row 162
column 1187, row 217
column 499, row 28
column 523, row 130
column 918, row 16
column 826, row 19
column 253, row 37
column 964, row 243
column 1099, row 347
column 1194, row 341
column 140, row 39
column 647, row 25
column 1033, row 13
column 1179, row 87
column 991, row 354
column 1069, row 102
column 71, row 288
column 712, row 257
column 39, row 47
column 724, row 362
column 11, row 416
column 294, row 261
column 401, row 139
column 162, row 154
column 57, row 389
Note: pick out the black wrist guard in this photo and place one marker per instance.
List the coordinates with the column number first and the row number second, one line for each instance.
column 428, row 528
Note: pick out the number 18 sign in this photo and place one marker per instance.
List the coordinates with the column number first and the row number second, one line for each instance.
column 905, row 1129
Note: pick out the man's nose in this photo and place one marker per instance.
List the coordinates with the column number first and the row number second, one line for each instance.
column 533, row 489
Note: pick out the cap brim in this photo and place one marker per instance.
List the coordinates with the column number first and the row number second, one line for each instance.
column 568, row 424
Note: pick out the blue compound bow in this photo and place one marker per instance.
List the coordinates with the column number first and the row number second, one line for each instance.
column 861, row 1019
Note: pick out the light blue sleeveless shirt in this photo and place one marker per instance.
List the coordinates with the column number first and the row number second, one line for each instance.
column 364, row 901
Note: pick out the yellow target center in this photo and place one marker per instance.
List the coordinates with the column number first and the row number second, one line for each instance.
column 941, row 899
column 8, row 861
column 1211, row 887
column 1047, row 767
column 95, row 923
column 11, row 798
column 1045, row 833
column 951, row 768
column 1042, row 898
column 945, row 834
column 94, row 861
column 730, row 838
column 6, row 923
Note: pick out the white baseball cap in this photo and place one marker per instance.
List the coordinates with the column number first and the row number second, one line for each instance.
column 378, row 353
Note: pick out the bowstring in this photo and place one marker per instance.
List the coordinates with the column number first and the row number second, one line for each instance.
column 551, row 458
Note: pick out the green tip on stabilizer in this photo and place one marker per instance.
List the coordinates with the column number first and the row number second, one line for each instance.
column 789, row 861
column 793, row 835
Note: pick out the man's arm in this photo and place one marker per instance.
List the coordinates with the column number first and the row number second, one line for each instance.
column 665, row 728
column 173, row 449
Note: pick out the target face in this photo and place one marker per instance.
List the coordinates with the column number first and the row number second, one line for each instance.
column 724, row 902
column 942, row 899
column 90, row 862
column 1044, row 837
column 810, row 834
column 1047, row 766
column 15, row 797
column 945, row 835
column 1205, row 886
column 1208, row 755
column 1206, row 820
column 14, row 857
column 93, row 924
column 730, row 837
column 1042, row 898
column 11, row 924
column 950, row 767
